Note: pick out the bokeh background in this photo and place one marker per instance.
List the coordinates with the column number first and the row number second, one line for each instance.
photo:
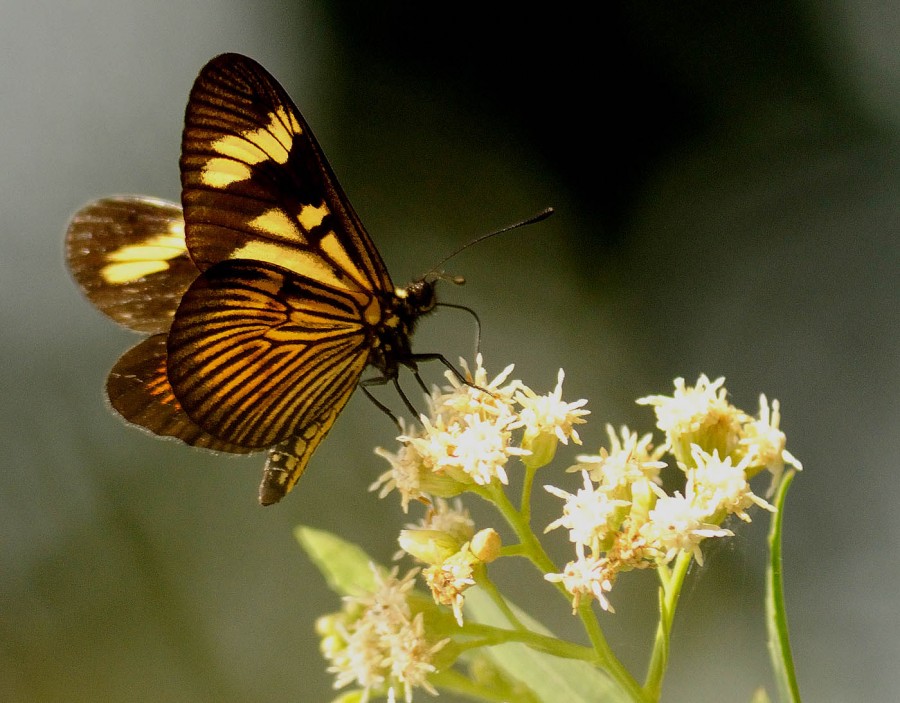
column 728, row 195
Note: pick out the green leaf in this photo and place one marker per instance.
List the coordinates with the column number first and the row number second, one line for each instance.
column 551, row 679
column 776, row 617
column 346, row 568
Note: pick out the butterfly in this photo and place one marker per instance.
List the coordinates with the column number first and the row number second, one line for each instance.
column 263, row 294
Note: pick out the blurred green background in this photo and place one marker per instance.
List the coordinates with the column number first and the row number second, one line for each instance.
column 728, row 195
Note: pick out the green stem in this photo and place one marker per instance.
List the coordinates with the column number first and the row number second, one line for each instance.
column 527, row 484
column 534, row 551
column 530, row 545
column 671, row 583
column 512, row 550
column 776, row 616
column 605, row 657
column 488, row 636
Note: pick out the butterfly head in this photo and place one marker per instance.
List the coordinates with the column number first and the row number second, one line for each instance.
column 415, row 300
column 420, row 296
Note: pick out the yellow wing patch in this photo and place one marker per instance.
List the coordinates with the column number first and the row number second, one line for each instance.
column 299, row 261
column 135, row 261
column 238, row 152
column 219, row 173
column 311, row 217
column 276, row 223
column 332, row 246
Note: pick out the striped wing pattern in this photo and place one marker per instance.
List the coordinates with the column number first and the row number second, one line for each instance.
column 256, row 354
column 256, row 185
column 138, row 389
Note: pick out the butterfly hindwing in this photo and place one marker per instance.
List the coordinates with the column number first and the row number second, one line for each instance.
column 256, row 353
column 129, row 257
column 256, row 185
column 138, row 389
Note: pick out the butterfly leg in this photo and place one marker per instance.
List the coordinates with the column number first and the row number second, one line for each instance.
column 456, row 372
column 437, row 357
column 378, row 404
column 421, row 382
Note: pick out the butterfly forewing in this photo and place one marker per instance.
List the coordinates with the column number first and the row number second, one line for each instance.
column 257, row 353
column 255, row 184
column 129, row 257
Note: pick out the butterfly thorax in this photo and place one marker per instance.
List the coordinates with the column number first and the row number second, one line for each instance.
column 400, row 313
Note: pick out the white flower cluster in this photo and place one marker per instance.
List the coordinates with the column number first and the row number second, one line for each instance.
column 472, row 430
column 376, row 642
column 622, row 519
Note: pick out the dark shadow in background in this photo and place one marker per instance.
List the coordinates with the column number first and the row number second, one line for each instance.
column 606, row 99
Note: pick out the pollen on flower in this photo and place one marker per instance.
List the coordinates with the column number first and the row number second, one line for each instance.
column 445, row 540
column 470, row 434
column 377, row 643
column 412, row 474
column 405, row 475
column 622, row 519
column 488, row 398
column 451, row 518
column 550, row 414
column 470, row 448
column 675, row 524
column 586, row 577
column 440, row 534
column 449, row 579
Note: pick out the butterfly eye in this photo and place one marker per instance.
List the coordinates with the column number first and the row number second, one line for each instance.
column 421, row 296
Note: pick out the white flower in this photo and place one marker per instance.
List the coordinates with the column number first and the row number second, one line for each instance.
column 470, row 448
column 717, row 486
column 765, row 443
column 450, row 579
column 697, row 415
column 376, row 641
column 549, row 414
column 677, row 524
column 585, row 577
column 628, row 459
column 589, row 515
column 453, row 519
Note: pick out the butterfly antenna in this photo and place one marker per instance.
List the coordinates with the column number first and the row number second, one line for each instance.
column 542, row 215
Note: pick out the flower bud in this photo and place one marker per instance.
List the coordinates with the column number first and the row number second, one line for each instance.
column 485, row 545
column 428, row 546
